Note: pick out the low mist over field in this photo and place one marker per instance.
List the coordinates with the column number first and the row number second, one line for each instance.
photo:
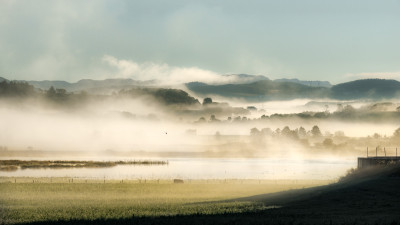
column 170, row 121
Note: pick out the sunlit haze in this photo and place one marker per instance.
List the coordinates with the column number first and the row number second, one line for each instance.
column 199, row 112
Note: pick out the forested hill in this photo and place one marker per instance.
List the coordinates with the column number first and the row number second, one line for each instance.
column 260, row 90
column 280, row 90
column 162, row 95
column 312, row 83
column 90, row 85
column 366, row 89
column 166, row 96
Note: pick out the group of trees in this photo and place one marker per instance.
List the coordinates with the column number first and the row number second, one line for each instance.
column 343, row 112
column 23, row 89
column 162, row 95
column 16, row 89
column 287, row 132
column 301, row 132
column 57, row 94
column 346, row 112
column 330, row 141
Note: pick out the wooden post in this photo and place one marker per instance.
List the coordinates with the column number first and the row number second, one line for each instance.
column 396, row 152
column 367, row 152
column 376, row 150
column 384, row 149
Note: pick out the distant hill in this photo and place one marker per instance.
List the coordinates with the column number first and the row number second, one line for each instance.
column 118, row 84
column 244, row 78
column 249, row 87
column 292, row 89
column 46, row 84
column 366, row 89
column 91, row 85
column 260, row 90
column 165, row 96
column 311, row 83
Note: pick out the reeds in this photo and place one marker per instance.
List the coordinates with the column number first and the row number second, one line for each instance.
column 12, row 165
column 8, row 168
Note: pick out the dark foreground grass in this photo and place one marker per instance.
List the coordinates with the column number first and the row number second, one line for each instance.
column 367, row 198
column 24, row 201
column 272, row 217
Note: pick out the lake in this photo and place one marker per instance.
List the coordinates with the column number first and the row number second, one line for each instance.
column 206, row 168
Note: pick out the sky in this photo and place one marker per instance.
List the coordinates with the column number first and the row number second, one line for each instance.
column 187, row 40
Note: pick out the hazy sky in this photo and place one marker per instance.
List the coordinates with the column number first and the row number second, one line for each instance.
column 69, row 40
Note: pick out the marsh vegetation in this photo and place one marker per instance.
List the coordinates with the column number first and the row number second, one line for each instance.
column 62, row 164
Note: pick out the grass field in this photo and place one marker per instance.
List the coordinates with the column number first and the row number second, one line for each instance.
column 51, row 199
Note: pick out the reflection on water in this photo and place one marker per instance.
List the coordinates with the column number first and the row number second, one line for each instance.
column 186, row 168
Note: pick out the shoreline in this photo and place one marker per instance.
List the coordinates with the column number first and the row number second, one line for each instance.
column 78, row 180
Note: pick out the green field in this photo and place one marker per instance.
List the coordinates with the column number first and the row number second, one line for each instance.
column 44, row 199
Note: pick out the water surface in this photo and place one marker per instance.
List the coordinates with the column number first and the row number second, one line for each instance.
column 205, row 168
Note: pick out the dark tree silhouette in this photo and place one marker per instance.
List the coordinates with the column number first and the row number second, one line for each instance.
column 396, row 133
column 16, row 89
column 254, row 131
column 207, row 101
column 328, row 142
column 302, row 133
column 315, row 131
column 51, row 92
